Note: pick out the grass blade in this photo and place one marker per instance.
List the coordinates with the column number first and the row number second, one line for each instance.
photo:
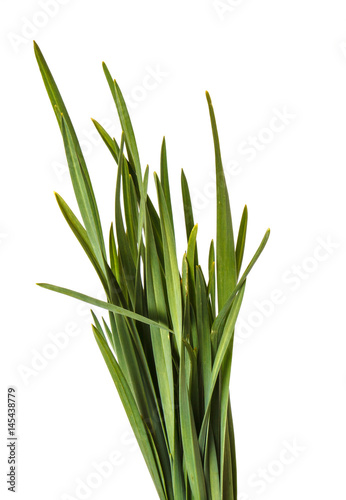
column 107, row 139
column 104, row 305
column 219, row 357
column 211, row 469
column 126, row 124
column 211, row 283
column 225, row 310
column 170, row 265
column 142, row 205
column 113, row 255
column 203, row 327
column 131, row 211
column 191, row 260
column 192, row 456
column 84, row 195
column 160, row 340
column 140, row 430
column 165, row 181
column 227, row 335
column 57, row 102
column 239, row 251
column 188, row 211
column 191, row 252
column 225, row 252
column 228, row 480
column 82, row 236
column 125, row 257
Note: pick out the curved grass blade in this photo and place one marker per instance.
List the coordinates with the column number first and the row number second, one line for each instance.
column 146, row 444
column 57, row 101
column 54, row 94
column 82, row 236
column 104, row 305
column 113, row 339
column 219, row 357
column 227, row 336
column 126, row 124
column 97, row 324
column 225, row 310
column 84, row 195
column 225, row 252
column 107, row 139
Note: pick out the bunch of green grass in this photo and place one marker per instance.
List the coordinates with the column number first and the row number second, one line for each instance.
column 168, row 340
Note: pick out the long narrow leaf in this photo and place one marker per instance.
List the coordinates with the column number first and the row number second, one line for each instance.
column 203, row 327
column 211, row 283
column 193, row 461
column 82, row 237
column 220, row 355
column 84, row 195
column 188, row 210
column 225, row 251
column 110, row 143
column 57, row 101
column 160, row 340
column 165, row 180
column 239, row 251
column 137, row 424
column 224, row 311
column 171, row 265
column 126, row 124
column 104, row 305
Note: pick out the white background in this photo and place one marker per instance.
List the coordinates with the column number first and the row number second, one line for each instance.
column 257, row 59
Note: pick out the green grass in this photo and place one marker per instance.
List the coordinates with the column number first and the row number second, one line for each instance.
column 167, row 338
